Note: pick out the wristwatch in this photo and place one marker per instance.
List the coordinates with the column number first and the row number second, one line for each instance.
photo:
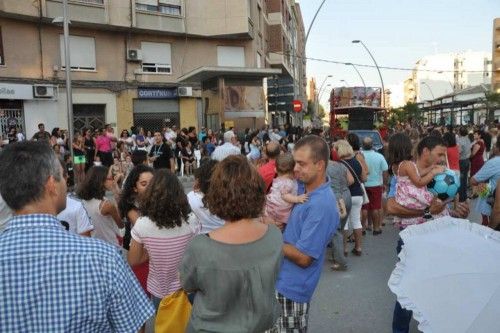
column 427, row 213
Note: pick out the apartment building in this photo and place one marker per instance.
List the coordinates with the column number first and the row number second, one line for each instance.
column 495, row 78
column 145, row 62
column 441, row 74
column 286, row 51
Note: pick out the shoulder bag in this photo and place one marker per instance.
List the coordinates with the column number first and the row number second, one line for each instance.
column 366, row 200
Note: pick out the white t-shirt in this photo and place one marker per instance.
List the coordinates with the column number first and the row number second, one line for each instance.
column 166, row 247
column 208, row 221
column 5, row 213
column 76, row 215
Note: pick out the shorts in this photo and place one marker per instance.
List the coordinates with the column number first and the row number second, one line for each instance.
column 79, row 159
column 294, row 316
column 375, row 196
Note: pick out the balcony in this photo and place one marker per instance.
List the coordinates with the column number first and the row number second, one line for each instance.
column 159, row 18
column 18, row 8
column 216, row 19
column 84, row 11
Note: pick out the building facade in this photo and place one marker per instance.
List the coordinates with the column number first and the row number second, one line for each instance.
column 149, row 63
column 441, row 74
column 495, row 57
column 286, row 51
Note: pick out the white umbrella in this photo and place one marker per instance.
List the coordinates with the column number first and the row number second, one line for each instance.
column 449, row 276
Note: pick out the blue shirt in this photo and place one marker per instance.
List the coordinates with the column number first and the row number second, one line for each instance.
column 55, row 281
column 490, row 174
column 310, row 227
column 376, row 165
column 392, row 188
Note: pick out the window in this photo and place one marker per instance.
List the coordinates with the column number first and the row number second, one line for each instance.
column 158, row 7
column 156, row 58
column 97, row 2
column 2, row 59
column 231, row 56
column 82, row 52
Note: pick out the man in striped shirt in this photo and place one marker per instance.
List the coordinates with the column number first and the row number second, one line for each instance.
column 53, row 280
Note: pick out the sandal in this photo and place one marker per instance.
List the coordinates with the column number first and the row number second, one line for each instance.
column 356, row 252
column 339, row 267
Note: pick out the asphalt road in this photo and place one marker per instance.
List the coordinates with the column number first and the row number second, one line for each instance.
column 357, row 300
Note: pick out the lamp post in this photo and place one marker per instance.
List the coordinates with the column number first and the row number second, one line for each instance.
column 428, row 87
column 318, row 92
column 347, row 83
column 451, row 85
column 360, row 76
column 67, row 62
column 314, row 19
column 357, row 41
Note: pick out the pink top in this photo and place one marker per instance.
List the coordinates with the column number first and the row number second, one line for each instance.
column 277, row 208
column 165, row 248
column 103, row 143
column 412, row 197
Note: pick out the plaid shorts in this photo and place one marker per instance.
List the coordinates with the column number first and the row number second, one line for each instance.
column 294, row 316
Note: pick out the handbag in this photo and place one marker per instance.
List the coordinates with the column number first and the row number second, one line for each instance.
column 341, row 208
column 173, row 313
column 366, row 200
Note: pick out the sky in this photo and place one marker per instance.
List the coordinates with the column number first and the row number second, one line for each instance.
column 397, row 32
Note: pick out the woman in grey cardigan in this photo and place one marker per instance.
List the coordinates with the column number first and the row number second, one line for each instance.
column 340, row 178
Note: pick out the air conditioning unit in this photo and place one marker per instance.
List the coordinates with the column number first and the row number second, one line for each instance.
column 44, row 91
column 134, row 55
column 185, row 91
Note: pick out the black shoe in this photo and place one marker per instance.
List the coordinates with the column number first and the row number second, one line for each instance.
column 377, row 232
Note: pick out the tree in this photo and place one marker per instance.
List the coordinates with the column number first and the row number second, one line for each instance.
column 311, row 109
column 492, row 103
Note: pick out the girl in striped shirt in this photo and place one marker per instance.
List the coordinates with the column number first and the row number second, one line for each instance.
column 162, row 233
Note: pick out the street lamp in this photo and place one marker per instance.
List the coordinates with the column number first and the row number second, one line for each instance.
column 67, row 62
column 319, row 90
column 360, row 76
column 314, row 19
column 320, row 94
column 451, row 85
column 347, row 83
column 357, row 41
column 428, row 87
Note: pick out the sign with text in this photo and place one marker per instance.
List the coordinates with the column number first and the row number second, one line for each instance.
column 157, row 93
column 16, row 91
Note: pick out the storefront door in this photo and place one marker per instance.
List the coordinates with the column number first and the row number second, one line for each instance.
column 89, row 116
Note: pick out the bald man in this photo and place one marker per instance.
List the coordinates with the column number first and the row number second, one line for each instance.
column 268, row 170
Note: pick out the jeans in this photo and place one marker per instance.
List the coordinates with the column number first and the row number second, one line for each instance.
column 464, row 173
column 402, row 317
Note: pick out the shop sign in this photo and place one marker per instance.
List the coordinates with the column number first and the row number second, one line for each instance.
column 16, row 91
column 157, row 93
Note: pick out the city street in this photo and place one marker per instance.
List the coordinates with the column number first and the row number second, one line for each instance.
column 359, row 300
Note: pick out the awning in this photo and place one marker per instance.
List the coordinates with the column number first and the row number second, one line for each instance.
column 206, row 73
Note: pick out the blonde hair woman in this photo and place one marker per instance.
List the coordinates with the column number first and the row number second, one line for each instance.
column 347, row 157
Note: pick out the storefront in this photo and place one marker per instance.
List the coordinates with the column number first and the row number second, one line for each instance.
column 24, row 106
column 156, row 108
column 231, row 95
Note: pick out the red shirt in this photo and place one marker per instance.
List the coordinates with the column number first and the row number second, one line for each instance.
column 453, row 155
column 268, row 172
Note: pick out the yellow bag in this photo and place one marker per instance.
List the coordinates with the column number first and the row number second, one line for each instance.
column 173, row 313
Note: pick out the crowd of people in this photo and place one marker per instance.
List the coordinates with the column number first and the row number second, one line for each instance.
column 247, row 243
